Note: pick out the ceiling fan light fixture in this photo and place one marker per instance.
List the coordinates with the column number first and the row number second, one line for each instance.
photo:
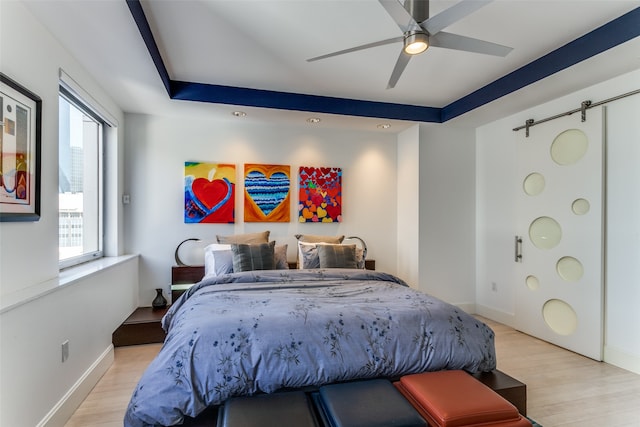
column 416, row 42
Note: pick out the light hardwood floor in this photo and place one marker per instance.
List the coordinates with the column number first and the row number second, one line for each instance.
column 563, row 388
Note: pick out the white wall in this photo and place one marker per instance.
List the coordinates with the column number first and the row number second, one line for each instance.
column 33, row 380
column 408, row 193
column 495, row 214
column 447, row 212
column 408, row 254
column 32, row 57
column 622, row 313
column 436, row 208
column 27, row 59
column 159, row 146
column 37, row 387
column 495, row 221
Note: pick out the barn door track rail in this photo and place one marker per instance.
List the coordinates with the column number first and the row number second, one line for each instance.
column 584, row 106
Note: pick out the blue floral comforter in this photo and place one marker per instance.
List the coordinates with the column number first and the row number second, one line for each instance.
column 261, row 331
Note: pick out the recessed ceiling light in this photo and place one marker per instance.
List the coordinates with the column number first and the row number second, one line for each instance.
column 313, row 120
column 239, row 113
column 384, row 126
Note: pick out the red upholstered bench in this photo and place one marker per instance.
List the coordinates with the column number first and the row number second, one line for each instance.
column 457, row 399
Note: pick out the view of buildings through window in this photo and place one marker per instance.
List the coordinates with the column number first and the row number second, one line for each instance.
column 79, row 182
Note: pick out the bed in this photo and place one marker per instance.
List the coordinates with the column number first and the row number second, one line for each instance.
column 261, row 331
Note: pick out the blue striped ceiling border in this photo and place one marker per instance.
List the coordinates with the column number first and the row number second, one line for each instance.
column 609, row 35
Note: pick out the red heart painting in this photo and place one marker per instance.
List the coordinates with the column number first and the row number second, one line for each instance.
column 209, row 193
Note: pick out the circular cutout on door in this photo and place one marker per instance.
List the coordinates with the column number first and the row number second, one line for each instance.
column 532, row 282
column 569, row 147
column 533, row 184
column 580, row 206
column 569, row 269
column 545, row 232
column 560, row 317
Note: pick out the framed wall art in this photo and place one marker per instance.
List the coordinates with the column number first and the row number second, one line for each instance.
column 267, row 193
column 20, row 146
column 209, row 192
column 320, row 194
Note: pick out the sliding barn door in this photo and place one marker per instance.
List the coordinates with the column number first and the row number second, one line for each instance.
column 558, row 247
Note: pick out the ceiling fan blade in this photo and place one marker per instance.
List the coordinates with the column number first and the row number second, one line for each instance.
column 453, row 14
column 400, row 15
column 401, row 64
column 357, row 48
column 457, row 42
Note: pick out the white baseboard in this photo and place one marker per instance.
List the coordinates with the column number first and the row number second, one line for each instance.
column 507, row 319
column 64, row 409
column 616, row 357
column 469, row 308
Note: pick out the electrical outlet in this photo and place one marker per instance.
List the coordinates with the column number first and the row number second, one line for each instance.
column 494, row 286
column 65, row 350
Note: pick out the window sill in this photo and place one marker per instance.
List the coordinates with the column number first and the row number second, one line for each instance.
column 67, row 277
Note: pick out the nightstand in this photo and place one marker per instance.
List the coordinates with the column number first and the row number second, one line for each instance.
column 183, row 277
column 142, row 327
column 179, row 289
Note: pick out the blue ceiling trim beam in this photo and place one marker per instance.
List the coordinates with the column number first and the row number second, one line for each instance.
column 188, row 91
column 618, row 31
column 147, row 36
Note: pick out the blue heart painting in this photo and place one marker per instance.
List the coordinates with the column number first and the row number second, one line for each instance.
column 267, row 187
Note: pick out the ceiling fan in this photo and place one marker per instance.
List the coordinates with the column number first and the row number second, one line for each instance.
column 420, row 32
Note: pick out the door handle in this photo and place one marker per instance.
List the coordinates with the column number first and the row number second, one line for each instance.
column 518, row 249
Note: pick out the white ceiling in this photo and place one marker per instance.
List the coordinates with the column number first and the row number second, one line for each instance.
column 264, row 44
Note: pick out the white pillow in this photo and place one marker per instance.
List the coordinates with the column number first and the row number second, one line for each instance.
column 210, row 268
column 308, row 255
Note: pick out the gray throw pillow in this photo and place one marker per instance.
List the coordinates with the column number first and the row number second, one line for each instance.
column 280, row 257
column 248, row 257
column 337, row 256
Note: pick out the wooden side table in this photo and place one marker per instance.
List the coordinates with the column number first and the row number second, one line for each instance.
column 508, row 387
column 142, row 327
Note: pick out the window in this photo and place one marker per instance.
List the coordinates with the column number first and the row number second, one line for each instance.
column 80, row 181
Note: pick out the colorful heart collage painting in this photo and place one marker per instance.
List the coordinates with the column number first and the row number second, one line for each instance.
column 320, row 194
column 209, row 190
